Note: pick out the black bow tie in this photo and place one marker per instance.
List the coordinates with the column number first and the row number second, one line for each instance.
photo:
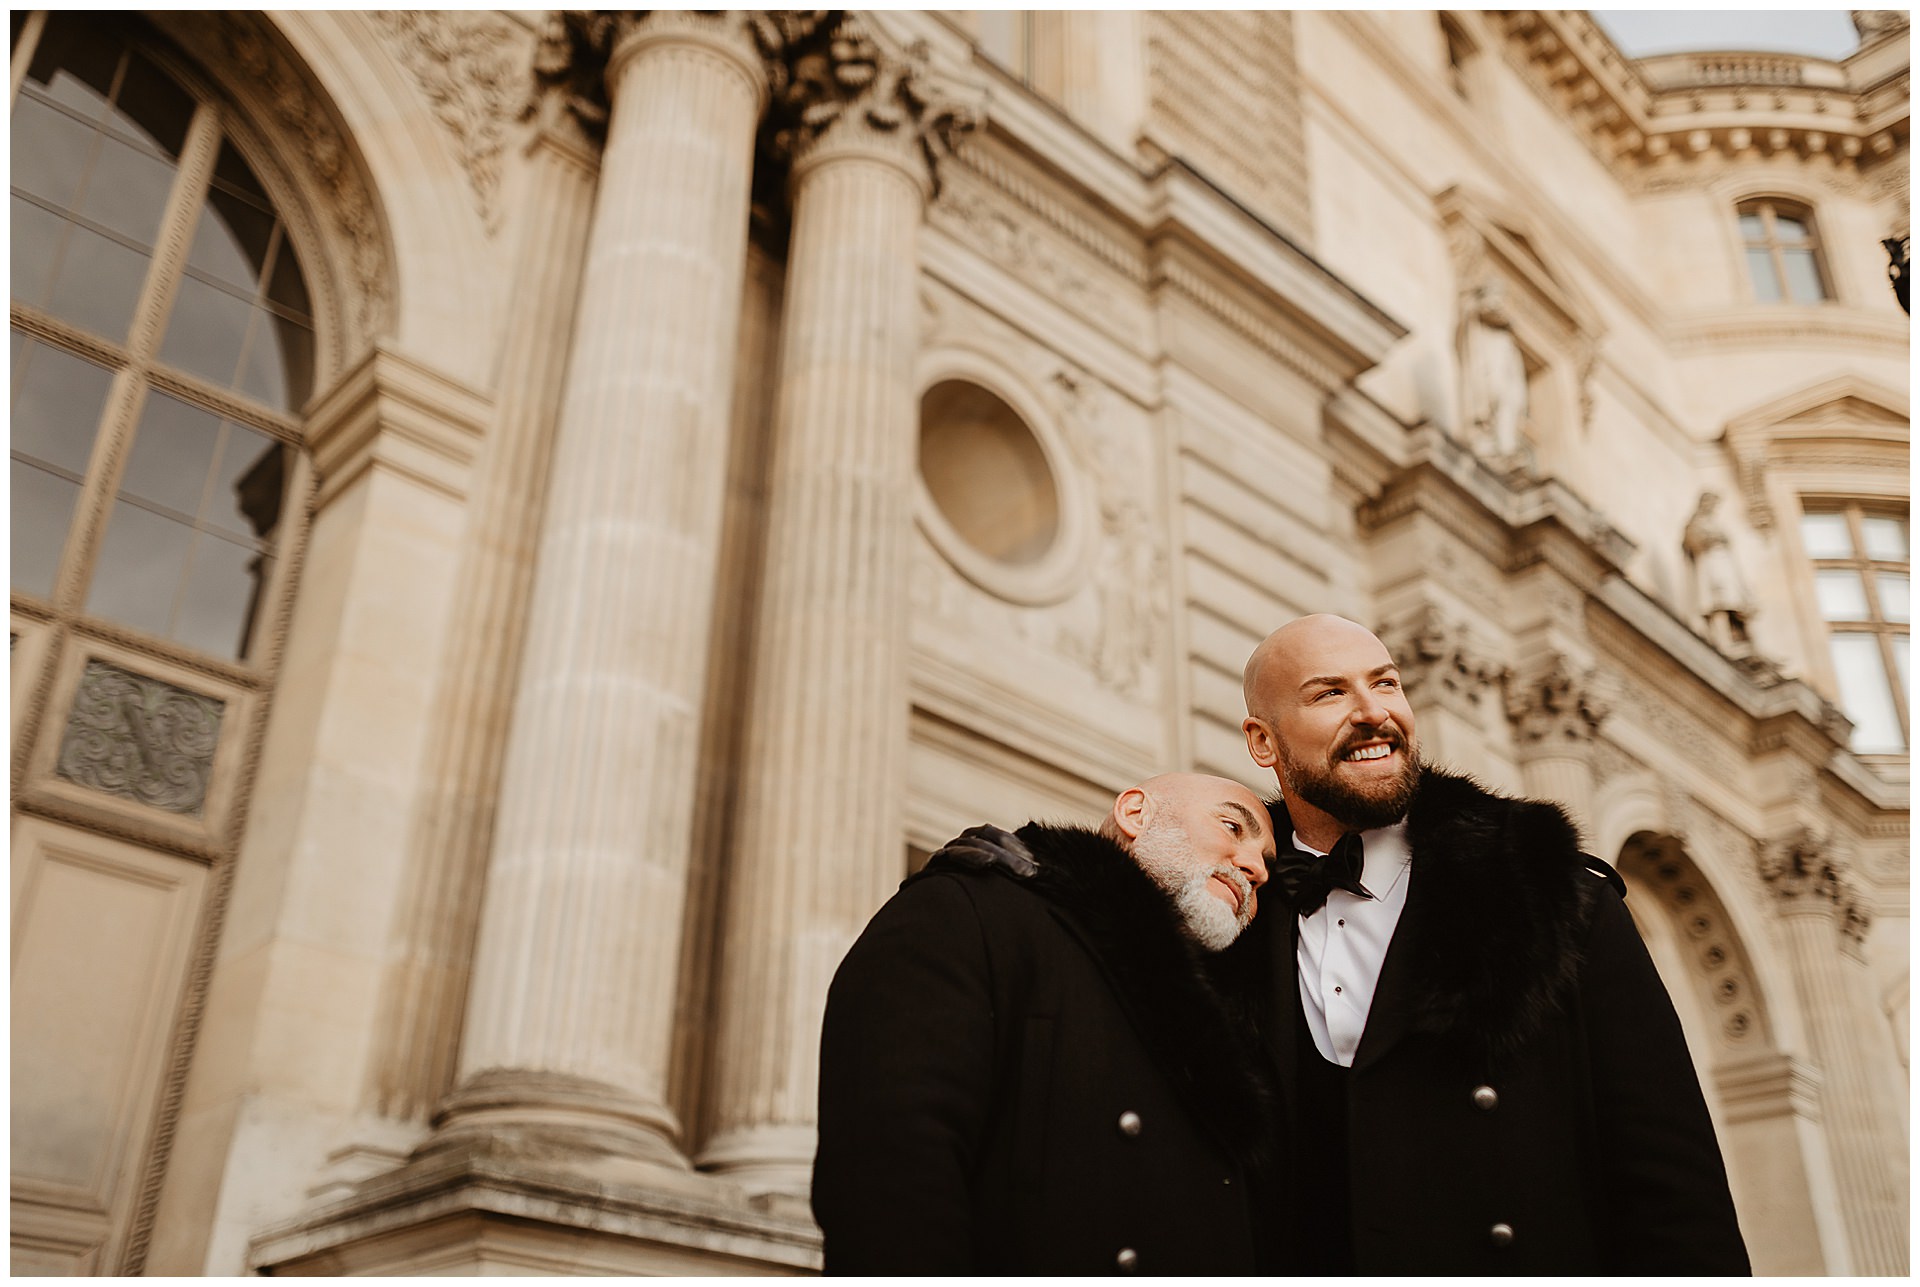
column 1306, row 879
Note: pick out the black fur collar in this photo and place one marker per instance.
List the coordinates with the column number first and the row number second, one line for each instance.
column 1495, row 916
column 1212, row 1058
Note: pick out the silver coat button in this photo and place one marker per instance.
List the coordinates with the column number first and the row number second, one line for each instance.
column 1128, row 1260
column 1485, row 1098
column 1129, row 1123
column 1502, row 1235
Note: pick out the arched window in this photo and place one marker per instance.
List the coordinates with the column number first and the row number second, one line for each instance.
column 162, row 342
column 1782, row 252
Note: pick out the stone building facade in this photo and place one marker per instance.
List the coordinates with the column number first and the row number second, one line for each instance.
column 655, row 475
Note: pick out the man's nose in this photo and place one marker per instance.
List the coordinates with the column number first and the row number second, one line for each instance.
column 1255, row 867
column 1370, row 710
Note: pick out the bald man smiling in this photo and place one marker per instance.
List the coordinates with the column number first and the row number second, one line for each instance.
column 1025, row 1068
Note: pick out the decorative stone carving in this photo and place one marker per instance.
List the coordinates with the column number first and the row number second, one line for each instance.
column 1017, row 247
column 570, row 67
column 142, row 738
column 1437, row 652
column 469, row 68
column 1554, row 703
column 273, row 81
column 1876, row 24
column 1802, row 865
column 1130, row 564
column 1494, row 381
column 1705, row 933
column 828, row 68
column 1721, row 596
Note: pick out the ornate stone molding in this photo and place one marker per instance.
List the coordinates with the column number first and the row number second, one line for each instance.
column 1704, row 933
column 1805, row 867
column 829, row 69
column 270, row 78
column 1436, row 652
column 470, row 69
column 1552, row 702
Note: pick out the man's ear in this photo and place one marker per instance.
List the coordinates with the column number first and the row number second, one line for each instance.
column 1132, row 811
column 1260, row 744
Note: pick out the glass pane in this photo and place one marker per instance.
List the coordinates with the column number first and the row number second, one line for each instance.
column 1789, row 228
column 172, row 454
column 1826, row 536
column 1893, row 590
column 247, row 487
column 99, row 283
column 37, row 237
column 151, row 107
column 221, row 587
column 42, row 508
column 288, row 289
column 141, row 562
column 76, row 66
column 1803, row 277
column 207, row 331
column 1766, row 282
column 236, row 174
column 279, row 365
column 1886, row 538
column 56, row 408
column 1842, row 596
column 127, row 190
column 1865, row 694
column 1753, row 227
column 50, row 152
column 231, row 240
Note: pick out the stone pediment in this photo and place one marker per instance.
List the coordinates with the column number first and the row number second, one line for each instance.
column 1847, row 423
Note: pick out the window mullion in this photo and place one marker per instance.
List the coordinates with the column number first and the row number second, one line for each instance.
column 23, row 53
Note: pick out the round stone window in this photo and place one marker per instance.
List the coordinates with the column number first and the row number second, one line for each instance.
column 987, row 474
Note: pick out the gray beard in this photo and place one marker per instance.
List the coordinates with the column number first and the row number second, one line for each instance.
column 1165, row 853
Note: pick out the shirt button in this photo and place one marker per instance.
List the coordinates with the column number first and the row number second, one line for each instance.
column 1336, row 987
column 1501, row 1235
column 1129, row 1260
column 1129, row 1123
column 1341, row 922
column 1485, row 1098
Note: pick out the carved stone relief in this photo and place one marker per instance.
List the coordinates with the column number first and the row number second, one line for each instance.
column 141, row 738
column 966, row 210
column 1129, row 564
column 1805, row 866
column 1440, row 658
column 1552, row 702
column 1703, row 932
column 471, row 68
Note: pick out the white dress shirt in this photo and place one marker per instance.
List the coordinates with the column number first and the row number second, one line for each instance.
column 1343, row 945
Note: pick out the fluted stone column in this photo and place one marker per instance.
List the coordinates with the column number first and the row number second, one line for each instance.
column 417, row 1040
column 820, row 835
column 1819, row 912
column 569, row 1018
column 1556, row 710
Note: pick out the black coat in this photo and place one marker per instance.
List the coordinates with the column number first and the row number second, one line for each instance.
column 1035, row 1076
column 1514, row 967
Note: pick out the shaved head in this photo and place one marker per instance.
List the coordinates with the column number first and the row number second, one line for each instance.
column 1205, row 841
column 1274, row 657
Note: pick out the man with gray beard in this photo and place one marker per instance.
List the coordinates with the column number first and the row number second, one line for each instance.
column 1026, row 1067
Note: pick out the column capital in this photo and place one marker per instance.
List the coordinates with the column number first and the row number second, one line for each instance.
column 1810, row 872
column 1556, row 704
column 583, row 52
column 1442, row 658
column 835, row 77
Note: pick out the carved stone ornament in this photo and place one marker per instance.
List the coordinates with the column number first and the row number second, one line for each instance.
column 469, row 68
column 141, row 738
column 570, row 67
column 1440, row 656
column 827, row 67
column 1801, row 865
column 1552, row 703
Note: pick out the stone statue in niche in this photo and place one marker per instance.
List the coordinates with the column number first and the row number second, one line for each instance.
column 1494, row 374
column 1720, row 592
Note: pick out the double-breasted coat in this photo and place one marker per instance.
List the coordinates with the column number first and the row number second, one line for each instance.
column 1522, row 1099
column 1034, row 1076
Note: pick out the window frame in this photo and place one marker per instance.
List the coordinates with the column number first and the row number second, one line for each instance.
column 1769, row 209
column 1860, row 562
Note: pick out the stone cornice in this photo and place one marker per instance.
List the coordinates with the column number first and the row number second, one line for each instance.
column 1638, row 112
column 392, row 413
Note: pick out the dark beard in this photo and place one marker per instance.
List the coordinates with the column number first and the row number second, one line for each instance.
column 1352, row 807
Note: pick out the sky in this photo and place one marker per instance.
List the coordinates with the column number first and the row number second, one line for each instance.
column 1823, row 33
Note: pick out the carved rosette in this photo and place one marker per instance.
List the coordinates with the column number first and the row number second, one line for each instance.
column 1554, row 705
column 141, row 738
column 1440, row 657
column 832, row 77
